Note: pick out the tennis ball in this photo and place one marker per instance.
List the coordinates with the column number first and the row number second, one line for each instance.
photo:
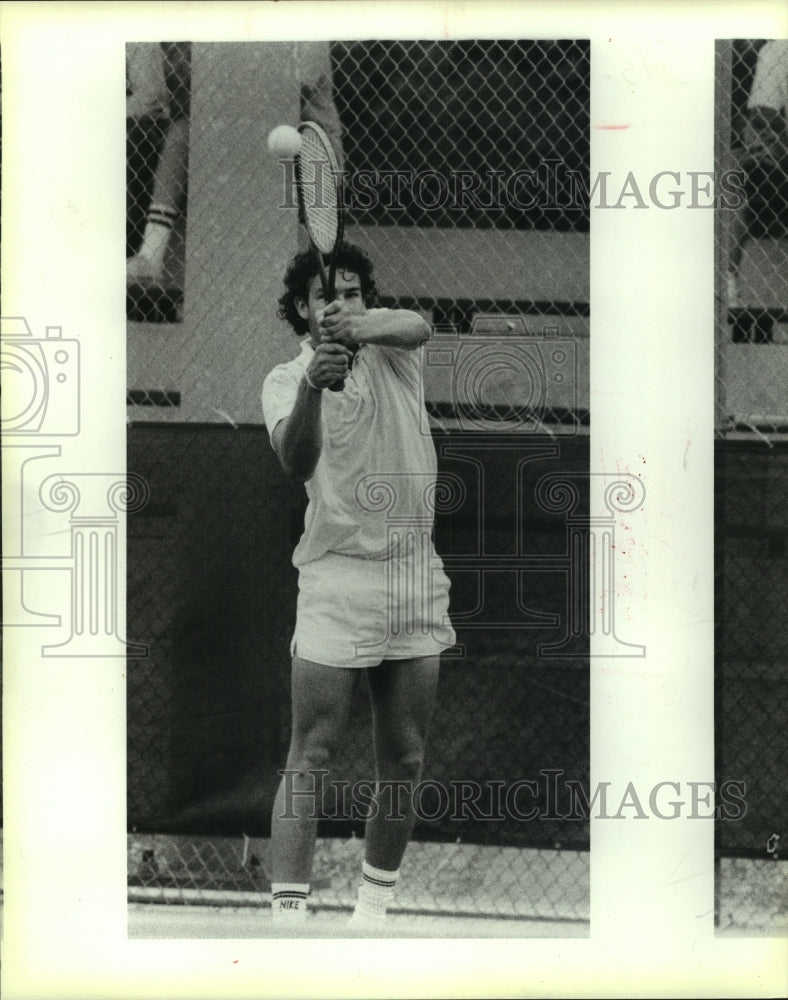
column 284, row 142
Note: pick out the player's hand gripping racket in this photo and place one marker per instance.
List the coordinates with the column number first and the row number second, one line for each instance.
column 319, row 184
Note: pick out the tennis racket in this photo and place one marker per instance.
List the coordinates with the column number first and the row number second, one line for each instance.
column 319, row 185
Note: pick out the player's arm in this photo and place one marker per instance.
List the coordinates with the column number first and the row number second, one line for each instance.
column 385, row 327
column 298, row 439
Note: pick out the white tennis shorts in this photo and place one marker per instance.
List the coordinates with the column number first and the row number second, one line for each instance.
column 355, row 612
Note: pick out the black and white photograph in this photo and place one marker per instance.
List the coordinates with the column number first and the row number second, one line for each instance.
column 393, row 552
column 751, row 459
column 367, row 639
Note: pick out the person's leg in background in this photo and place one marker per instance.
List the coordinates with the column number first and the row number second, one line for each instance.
column 741, row 224
column 168, row 191
column 168, row 198
column 144, row 140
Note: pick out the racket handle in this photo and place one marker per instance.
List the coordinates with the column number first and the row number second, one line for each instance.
column 339, row 385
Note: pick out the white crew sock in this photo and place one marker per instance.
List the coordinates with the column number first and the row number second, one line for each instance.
column 288, row 901
column 375, row 894
column 158, row 227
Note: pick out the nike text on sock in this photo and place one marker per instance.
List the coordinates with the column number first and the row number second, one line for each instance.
column 288, row 900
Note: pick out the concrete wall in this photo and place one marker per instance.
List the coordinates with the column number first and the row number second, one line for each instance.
column 238, row 241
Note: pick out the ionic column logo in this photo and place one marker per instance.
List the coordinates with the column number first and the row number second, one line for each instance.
column 590, row 563
column 94, row 501
column 412, row 563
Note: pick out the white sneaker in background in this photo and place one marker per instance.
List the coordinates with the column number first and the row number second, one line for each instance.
column 144, row 270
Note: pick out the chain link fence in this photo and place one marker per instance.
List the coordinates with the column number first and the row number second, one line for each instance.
column 462, row 165
column 752, row 231
column 751, row 476
column 158, row 91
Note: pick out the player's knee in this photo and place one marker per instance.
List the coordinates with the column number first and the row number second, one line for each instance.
column 314, row 755
column 410, row 767
column 404, row 763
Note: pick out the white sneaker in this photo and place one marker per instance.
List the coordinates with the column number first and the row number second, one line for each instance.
column 143, row 270
column 364, row 923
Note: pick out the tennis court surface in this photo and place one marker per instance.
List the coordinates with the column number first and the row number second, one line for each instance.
column 222, row 890
column 149, row 921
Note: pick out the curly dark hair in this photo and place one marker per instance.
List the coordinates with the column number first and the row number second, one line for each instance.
column 303, row 268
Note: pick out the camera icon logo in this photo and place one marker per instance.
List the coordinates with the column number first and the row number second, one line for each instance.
column 40, row 381
column 499, row 375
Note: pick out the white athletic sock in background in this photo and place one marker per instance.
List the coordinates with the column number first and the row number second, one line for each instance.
column 161, row 219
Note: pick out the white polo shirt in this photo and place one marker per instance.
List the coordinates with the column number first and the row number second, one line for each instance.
column 770, row 84
column 375, row 479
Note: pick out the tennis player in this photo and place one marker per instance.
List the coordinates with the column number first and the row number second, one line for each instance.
column 373, row 595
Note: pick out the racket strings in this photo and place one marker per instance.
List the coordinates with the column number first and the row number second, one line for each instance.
column 319, row 190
